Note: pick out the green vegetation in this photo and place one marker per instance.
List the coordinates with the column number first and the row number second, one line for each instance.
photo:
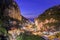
column 3, row 32
column 2, row 29
column 29, row 37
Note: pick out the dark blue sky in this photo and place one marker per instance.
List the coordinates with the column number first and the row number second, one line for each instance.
column 32, row 8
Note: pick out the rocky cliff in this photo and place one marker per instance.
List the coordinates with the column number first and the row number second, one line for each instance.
column 49, row 20
column 10, row 14
column 10, row 19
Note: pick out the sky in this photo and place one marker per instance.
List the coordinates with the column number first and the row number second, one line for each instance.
column 33, row 8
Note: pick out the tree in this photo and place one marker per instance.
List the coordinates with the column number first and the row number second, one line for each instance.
column 29, row 37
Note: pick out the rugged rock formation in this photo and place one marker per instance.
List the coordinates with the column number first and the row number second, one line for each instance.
column 11, row 17
column 10, row 14
column 49, row 20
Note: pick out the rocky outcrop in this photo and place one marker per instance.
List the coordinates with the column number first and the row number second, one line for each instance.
column 10, row 14
column 11, row 17
column 49, row 20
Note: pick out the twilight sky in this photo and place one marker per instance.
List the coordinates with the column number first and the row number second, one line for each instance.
column 32, row 8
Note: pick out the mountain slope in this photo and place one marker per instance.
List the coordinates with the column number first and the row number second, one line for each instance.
column 10, row 13
column 10, row 19
column 49, row 20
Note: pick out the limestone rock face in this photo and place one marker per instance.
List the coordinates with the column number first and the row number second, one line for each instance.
column 11, row 18
column 10, row 8
column 10, row 14
column 49, row 20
